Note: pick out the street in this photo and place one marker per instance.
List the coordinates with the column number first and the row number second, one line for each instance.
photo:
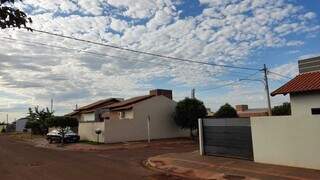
column 19, row 160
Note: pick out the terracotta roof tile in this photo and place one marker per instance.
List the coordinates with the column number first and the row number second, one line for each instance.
column 305, row 82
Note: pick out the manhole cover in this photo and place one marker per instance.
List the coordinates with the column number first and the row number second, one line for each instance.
column 233, row 177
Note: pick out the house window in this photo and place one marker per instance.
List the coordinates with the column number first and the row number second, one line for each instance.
column 315, row 111
column 122, row 114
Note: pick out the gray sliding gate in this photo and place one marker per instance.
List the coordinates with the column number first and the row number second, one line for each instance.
column 230, row 137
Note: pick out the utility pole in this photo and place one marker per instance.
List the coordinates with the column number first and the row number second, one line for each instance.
column 51, row 107
column 7, row 119
column 266, row 84
column 193, row 93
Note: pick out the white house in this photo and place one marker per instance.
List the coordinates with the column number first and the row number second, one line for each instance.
column 292, row 140
column 139, row 118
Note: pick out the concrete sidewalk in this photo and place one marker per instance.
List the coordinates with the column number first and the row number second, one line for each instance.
column 192, row 165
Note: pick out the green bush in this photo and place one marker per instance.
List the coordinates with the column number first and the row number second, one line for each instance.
column 282, row 110
column 226, row 111
column 187, row 113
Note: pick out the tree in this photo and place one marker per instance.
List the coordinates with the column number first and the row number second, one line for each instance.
column 37, row 120
column 12, row 17
column 282, row 110
column 226, row 111
column 187, row 113
column 62, row 123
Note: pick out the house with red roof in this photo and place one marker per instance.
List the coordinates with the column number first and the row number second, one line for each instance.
column 292, row 140
column 304, row 89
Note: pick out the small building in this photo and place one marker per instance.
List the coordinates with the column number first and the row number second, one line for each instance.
column 20, row 125
column 138, row 118
column 292, row 140
column 304, row 91
column 244, row 111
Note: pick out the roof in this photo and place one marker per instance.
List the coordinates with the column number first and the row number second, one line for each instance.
column 128, row 104
column 97, row 103
column 90, row 107
column 306, row 82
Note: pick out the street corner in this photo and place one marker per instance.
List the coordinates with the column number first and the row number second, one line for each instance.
column 187, row 168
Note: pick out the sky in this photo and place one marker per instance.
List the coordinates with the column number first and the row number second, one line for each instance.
column 247, row 33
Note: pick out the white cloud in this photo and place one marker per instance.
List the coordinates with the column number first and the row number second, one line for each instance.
column 225, row 32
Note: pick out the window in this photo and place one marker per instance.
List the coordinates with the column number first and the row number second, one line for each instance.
column 122, row 114
column 315, row 111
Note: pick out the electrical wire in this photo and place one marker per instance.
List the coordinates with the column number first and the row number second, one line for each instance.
column 143, row 52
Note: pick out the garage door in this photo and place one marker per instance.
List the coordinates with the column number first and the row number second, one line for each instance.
column 228, row 137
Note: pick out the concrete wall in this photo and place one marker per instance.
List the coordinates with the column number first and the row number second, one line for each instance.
column 160, row 110
column 287, row 140
column 87, row 131
column 301, row 104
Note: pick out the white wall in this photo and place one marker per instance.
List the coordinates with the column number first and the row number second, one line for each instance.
column 87, row 131
column 162, row 125
column 301, row 104
column 88, row 117
column 287, row 140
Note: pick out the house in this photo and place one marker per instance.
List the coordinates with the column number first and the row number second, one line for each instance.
column 292, row 140
column 93, row 111
column 21, row 124
column 90, row 117
column 139, row 118
column 244, row 111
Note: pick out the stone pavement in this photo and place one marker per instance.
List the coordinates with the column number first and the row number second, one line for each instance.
column 192, row 165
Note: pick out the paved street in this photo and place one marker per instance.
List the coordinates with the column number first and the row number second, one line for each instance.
column 19, row 160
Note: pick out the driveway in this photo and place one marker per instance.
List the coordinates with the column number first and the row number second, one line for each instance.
column 19, row 160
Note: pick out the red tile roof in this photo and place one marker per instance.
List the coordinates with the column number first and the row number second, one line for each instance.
column 91, row 107
column 127, row 104
column 305, row 82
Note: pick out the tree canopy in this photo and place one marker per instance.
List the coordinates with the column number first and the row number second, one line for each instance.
column 226, row 111
column 187, row 113
column 62, row 122
column 12, row 17
column 282, row 110
column 37, row 120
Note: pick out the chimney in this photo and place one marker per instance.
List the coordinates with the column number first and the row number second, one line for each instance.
column 163, row 92
column 242, row 107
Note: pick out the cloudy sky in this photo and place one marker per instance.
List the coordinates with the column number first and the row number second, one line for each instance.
column 35, row 67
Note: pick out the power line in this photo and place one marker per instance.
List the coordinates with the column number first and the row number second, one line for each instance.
column 279, row 75
column 143, row 52
column 228, row 84
column 33, row 43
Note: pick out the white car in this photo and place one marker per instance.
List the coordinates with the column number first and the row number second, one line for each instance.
column 55, row 136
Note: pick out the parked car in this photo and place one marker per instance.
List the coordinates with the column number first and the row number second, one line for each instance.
column 55, row 136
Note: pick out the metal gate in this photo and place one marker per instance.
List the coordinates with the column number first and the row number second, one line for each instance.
column 230, row 137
